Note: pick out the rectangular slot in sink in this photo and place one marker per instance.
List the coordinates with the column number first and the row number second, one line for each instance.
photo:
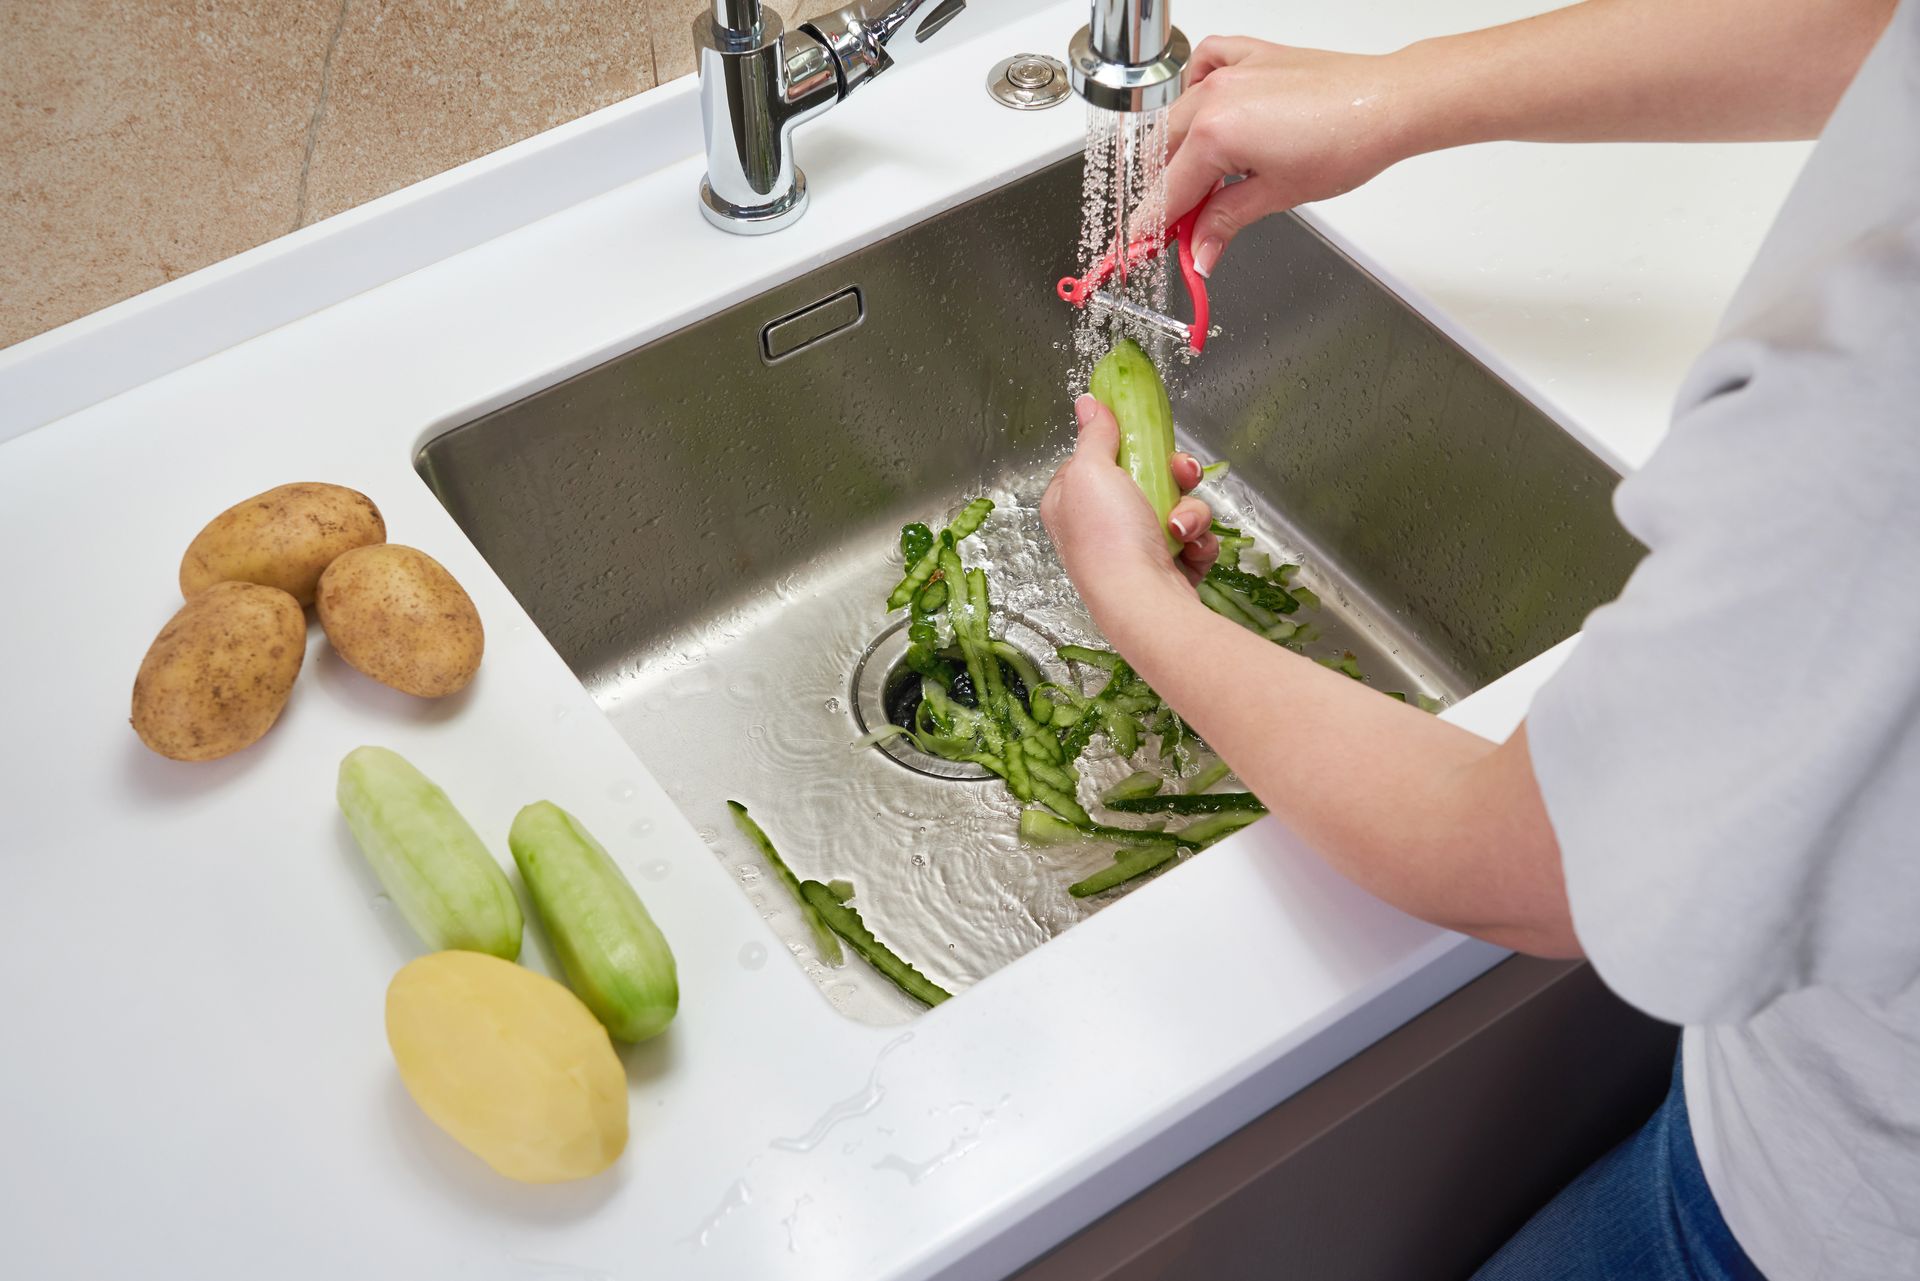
column 707, row 538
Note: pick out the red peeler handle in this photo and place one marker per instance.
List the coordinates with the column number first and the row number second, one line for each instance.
column 1195, row 282
column 1077, row 289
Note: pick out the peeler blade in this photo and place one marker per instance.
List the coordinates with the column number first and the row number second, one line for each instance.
column 1158, row 322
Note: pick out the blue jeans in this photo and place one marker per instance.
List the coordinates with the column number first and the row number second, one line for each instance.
column 1641, row 1211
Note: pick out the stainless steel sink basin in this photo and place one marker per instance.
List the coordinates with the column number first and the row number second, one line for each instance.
column 705, row 528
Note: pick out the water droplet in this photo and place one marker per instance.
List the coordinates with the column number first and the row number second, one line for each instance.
column 753, row 956
column 792, row 1222
column 832, row 704
column 381, row 902
column 641, row 827
column 656, row 870
column 737, row 1197
column 621, row 791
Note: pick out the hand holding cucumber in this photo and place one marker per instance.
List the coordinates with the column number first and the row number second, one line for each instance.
column 1105, row 528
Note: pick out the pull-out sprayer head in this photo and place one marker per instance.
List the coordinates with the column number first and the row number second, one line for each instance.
column 1130, row 57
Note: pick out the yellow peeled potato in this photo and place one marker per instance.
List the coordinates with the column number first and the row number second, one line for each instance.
column 510, row 1064
column 283, row 538
column 394, row 613
column 217, row 675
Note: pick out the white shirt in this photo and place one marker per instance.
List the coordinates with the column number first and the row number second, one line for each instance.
column 1731, row 755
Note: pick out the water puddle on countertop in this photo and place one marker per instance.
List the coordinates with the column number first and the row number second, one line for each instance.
column 964, row 1142
column 859, row 1104
column 806, row 1148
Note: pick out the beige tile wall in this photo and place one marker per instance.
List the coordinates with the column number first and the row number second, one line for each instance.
column 143, row 139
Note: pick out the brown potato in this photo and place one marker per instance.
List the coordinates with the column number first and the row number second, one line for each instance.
column 283, row 538
column 394, row 613
column 217, row 675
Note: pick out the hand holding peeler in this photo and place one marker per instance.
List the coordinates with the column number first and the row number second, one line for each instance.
column 1080, row 290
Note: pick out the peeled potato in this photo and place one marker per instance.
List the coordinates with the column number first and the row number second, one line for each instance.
column 394, row 613
column 283, row 538
column 510, row 1064
column 217, row 675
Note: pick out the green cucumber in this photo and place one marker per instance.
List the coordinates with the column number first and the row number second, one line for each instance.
column 428, row 858
column 615, row 958
column 1126, row 382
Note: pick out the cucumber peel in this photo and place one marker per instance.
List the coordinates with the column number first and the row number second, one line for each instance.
column 1207, row 778
column 1134, row 860
column 834, row 909
column 824, row 941
column 1190, row 803
column 1139, row 783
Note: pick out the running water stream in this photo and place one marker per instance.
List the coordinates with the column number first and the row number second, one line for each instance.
column 1122, row 198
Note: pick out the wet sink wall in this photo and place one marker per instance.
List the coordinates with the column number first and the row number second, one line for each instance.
column 707, row 536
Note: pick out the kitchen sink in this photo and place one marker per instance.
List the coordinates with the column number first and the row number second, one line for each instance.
column 706, row 529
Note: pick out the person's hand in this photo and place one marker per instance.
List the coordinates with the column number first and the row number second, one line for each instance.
column 1300, row 124
column 1104, row 528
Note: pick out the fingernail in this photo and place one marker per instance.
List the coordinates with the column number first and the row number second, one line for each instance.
column 1207, row 255
column 1083, row 406
column 1186, row 527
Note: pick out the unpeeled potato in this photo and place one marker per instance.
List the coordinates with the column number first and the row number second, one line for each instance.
column 283, row 538
column 510, row 1064
column 396, row 614
column 215, row 678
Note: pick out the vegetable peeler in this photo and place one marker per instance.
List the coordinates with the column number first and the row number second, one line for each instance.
column 1080, row 290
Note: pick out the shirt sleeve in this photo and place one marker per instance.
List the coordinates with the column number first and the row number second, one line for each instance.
column 1731, row 756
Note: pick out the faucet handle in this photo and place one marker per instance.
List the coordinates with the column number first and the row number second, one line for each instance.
column 868, row 36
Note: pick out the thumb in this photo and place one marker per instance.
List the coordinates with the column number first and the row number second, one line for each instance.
column 1191, row 173
column 1099, row 433
column 1231, row 210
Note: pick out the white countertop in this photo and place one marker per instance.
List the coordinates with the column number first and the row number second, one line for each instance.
column 196, row 1080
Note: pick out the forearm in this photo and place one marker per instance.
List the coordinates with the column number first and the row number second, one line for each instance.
column 1427, row 816
column 1639, row 70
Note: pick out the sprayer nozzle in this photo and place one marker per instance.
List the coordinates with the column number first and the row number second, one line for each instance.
column 1127, row 86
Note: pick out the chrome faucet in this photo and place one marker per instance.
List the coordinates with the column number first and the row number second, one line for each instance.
column 1130, row 57
column 758, row 81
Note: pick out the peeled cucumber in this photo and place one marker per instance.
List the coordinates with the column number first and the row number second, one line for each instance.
column 432, row 865
column 1126, row 382
column 615, row 958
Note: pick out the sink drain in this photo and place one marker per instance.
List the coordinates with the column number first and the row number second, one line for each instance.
column 887, row 692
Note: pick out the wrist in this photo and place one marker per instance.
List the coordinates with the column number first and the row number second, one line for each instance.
column 1130, row 613
column 1435, row 105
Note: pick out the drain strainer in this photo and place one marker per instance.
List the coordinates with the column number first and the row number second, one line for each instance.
column 884, row 687
column 1028, row 82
